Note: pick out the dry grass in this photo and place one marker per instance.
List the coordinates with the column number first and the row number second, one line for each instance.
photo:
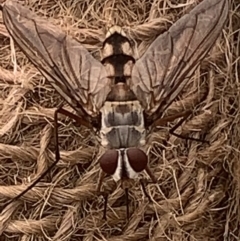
column 197, row 197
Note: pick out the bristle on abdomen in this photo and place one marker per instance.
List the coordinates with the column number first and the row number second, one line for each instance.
column 115, row 29
column 117, row 54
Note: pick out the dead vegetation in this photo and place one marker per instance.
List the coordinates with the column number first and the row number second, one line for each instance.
column 197, row 197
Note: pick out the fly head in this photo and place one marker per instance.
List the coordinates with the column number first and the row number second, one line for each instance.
column 123, row 164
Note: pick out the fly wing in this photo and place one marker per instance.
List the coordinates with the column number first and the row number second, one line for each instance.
column 79, row 78
column 162, row 72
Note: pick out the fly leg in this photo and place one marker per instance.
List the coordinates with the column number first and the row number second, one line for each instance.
column 144, row 182
column 184, row 115
column 57, row 153
column 108, row 188
column 127, row 203
column 105, row 195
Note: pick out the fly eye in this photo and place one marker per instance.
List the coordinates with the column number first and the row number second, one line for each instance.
column 137, row 159
column 109, row 161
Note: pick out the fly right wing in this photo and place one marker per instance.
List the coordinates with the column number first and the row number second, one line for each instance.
column 75, row 74
column 167, row 65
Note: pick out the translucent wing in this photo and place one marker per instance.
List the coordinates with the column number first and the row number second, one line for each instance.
column 161, row 73
column 79, row 78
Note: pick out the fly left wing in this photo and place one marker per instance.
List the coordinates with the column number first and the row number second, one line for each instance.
column 162, row 72
column 77, row 76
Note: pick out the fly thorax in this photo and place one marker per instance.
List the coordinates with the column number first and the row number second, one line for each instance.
column 122, row 124
column 123, row 163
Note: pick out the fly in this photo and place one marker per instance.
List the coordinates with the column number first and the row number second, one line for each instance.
column 120, row 98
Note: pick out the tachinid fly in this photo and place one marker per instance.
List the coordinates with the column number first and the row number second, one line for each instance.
column 120, row 98
column 122, row 130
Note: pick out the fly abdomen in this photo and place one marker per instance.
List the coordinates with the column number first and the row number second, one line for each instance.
column 117, row 55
